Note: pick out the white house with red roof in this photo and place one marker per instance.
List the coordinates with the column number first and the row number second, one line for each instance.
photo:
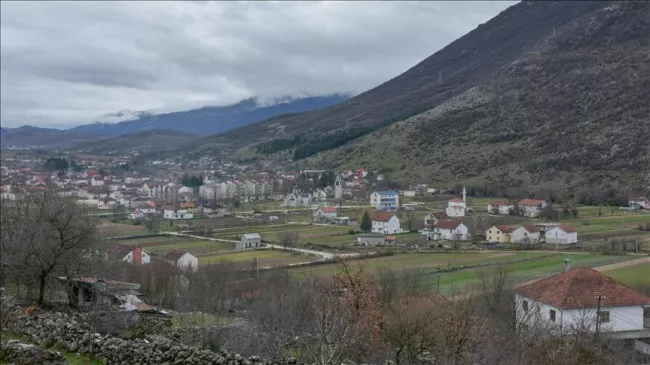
column 456, row 207
column 562, row 235
column 450, row 230
column 527, row 233
column 641, row 201
column 531, row 207
column 386, row 223
column 500, row 206
column 324, row 213
column 584, row 297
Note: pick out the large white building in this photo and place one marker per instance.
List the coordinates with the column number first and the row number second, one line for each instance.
column 531, row 207
column 583, row 297
column 177, row 214
column 450, row 230
column 526, row 234
column 386, row 223
column 385, row 200
column 182, row 260
column 500, row 206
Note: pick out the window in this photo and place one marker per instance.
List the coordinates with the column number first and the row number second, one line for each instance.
column 551, row 315
column 525, row 305
column 603, row 316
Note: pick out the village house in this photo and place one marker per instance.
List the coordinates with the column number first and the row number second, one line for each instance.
column 298, row 199
column 132, row 255
column 431, row 219
column 386, row 223
column 249, row 240
column 385, row 200
column 456, row 207
column 324, row 214
column 374, row 239
column 500, row 234
column 640, row 201
column 174, row 213
column 450, row 230
column 182, row 260
column 587, row 298
column 147, row 207
column 561, row 235
column 525, row 234
column 500, row 207
column 106, row 203
column 531, row 207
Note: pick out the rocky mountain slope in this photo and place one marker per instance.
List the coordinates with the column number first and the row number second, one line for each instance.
column 28, row 136
column 574, row 110
column 469, row 61
column 157, row 140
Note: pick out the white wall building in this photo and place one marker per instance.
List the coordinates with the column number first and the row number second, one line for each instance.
column 500, row 206
column 456, row 207
column 531, row 207
column 386, row 223
column 385, row 200
column 525, row 234
column 177, row 214
column 450, row 230
column 182, row 260
column 562, row 235
column 572, row 299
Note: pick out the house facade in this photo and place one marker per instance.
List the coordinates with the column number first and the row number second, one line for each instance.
column 582, row 297
column 386, row 223
column 371, row 240
column 177, row 214
column 456, row 207
column 182, row 260
column 325, row 214
column 525, row 234
column 385, row 200
column 450, row 230
column 249, row 240
column 500, row 207
column 500, row 234
column 562, row 235
column 641, row 201
column 133, row 255
column 431, row 219
column 531, row 207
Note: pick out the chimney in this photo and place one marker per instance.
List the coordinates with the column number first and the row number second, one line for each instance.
column 567, row 264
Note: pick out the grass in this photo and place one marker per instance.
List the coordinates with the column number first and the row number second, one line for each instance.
column 619, row 222
column 182, row 320
column 635, row 275
column 266, row 257
column 420, row 260
column 70, row 357
column 121, row 229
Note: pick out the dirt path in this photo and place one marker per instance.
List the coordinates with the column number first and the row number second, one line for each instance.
column 619, row 265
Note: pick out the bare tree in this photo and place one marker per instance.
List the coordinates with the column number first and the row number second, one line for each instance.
column 288, row 238
column 45, row 234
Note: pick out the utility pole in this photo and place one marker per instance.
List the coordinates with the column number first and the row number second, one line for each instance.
column 600, row 297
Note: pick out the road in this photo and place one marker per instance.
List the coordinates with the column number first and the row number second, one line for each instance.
column 324, row 255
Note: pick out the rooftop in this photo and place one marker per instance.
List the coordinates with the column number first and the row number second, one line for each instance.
column 580, row 288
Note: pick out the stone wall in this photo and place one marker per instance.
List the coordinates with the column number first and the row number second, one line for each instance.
column 67, row 331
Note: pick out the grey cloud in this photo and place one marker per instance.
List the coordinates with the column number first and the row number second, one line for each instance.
column 67, row 63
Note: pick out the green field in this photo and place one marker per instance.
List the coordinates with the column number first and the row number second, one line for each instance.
column 421, row 260
column 120, row 229
column 266, row 257
column 608, row 223
column 163, row 244
column 636, row 275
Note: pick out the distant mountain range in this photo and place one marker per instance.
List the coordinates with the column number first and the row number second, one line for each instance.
column 202, row 121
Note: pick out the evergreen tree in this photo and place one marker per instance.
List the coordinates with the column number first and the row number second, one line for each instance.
column 366, row 222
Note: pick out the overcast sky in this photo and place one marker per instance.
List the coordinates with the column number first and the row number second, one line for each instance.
column 70, row 63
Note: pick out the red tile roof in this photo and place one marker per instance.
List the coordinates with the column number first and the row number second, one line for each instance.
column 328, row 209
column 530, row 202
column 531, row 228
column 382, row 217
column 448, row 224
column 567, row 229
column 579, row 288
column 456, row 200
column 505, row 228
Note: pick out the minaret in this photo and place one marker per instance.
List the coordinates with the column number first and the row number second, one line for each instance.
column 464, row 194
column 338, row 189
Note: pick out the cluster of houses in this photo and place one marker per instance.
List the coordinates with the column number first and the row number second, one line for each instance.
column 135, row 255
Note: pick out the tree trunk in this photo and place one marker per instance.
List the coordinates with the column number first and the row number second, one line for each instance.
column 41, row 289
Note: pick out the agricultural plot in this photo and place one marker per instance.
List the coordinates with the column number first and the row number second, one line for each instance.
column 635, row 275
column 164, row 244
column 108, row 229
column 265, row 257
column 462, row 281
column 422, row 260
column 618, row 223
